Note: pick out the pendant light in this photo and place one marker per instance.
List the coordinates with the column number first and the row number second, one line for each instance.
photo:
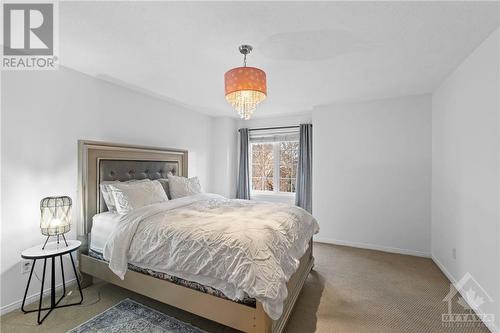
column 245, row 87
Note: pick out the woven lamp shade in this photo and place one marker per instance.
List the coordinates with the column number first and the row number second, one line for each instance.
column 245, row 87
column 55, row 215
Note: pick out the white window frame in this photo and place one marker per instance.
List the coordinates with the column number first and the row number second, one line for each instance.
column 276, row 170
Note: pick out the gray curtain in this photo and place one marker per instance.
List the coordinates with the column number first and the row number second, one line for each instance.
column 303, row 189
column 243, row 185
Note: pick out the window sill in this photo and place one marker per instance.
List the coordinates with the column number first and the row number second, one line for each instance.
column 283, row 197
column 271, row 193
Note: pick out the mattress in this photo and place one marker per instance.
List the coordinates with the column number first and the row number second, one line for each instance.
column 103, row 225
column 185, row 283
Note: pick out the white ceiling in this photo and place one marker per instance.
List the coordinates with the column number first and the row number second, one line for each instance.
column 313, row 53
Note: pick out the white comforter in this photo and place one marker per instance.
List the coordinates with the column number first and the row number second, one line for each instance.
column 235, row 246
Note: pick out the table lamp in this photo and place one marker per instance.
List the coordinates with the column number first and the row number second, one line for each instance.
column 55, row 217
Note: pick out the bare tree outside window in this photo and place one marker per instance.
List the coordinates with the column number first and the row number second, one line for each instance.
column 289, row 159
column 274, row 166
column 262, row 167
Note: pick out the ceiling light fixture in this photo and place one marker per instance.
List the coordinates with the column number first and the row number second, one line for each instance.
column 245, row 86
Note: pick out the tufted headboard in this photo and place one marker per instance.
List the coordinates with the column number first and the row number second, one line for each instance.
column 123, row 170
column 100, row 161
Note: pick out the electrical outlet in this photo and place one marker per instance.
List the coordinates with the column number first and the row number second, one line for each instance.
column 26, row 266
column 454, row 253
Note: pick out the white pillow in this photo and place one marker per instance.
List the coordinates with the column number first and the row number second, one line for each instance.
column 129, row 196
column 181, row 186
column 108, row 196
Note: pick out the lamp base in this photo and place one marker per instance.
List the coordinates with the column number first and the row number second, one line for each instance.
column 43, row 247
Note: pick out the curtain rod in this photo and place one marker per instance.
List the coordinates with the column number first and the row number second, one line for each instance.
column 272, row 128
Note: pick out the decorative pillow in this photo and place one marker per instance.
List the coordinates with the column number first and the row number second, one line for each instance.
column 108, row 196
column 130, row 196
column 181, row 186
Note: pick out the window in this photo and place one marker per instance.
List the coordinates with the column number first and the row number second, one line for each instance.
column 288, row 161
column 263, row 166
column 274, row 166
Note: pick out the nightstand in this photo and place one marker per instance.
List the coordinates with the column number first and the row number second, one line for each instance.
column 51, row 251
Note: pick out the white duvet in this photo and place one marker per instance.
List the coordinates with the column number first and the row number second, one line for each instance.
column 236, row 246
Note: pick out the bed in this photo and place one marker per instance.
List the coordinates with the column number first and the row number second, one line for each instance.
column 100, row 162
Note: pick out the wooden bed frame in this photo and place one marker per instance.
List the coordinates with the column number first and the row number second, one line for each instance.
column 239, row 316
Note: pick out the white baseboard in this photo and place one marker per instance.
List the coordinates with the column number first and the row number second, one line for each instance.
column 491, row 326
column 373, row 247
column 444, row 270
column 32, row 298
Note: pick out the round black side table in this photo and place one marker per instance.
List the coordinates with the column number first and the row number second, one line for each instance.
column 51, row 250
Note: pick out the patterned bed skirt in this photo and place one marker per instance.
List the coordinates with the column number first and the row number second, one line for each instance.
column 185, row 283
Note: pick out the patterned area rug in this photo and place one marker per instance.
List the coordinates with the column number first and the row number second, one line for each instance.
column 129, row 316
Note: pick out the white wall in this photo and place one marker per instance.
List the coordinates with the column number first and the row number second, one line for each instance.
column 224, row 141
column 372, row 174
column 466, row 171
column 43, row 116
column 291, row 120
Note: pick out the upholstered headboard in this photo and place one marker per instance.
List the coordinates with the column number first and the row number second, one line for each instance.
column 100, row 161
column 123, row 170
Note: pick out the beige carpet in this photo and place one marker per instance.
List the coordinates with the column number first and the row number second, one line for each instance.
column 350, row 290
